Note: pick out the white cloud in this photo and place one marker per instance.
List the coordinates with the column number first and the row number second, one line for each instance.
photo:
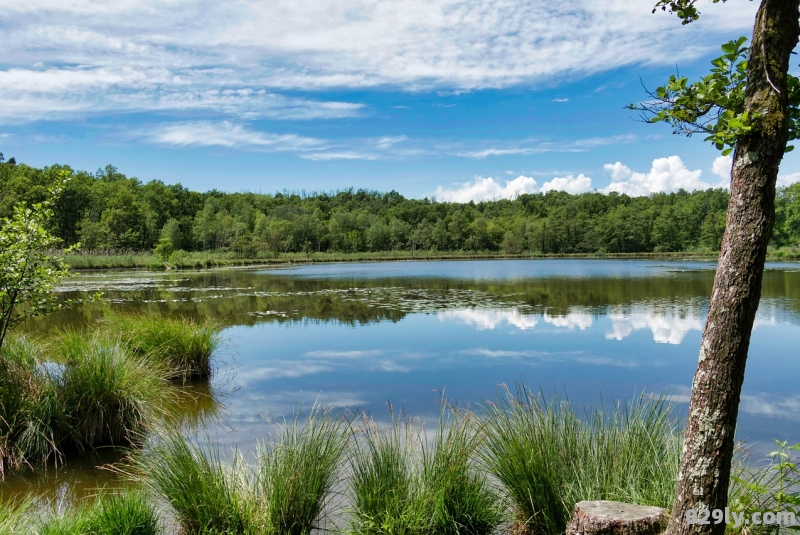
column 560, row 100
column 486, row 188
column 666, row 175
column 788, row 180
column 490, row 319
column 722, row 167
column 668, row 327
column 570, row 184
column 144, row 52
column 226, row 134
column 499, row 353
column 581, row 320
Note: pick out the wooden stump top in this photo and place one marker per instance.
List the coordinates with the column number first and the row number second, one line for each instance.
column 616, row 518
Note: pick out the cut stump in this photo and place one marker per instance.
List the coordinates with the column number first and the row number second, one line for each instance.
column 617, row 518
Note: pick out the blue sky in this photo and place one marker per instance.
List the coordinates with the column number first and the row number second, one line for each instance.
column 457, row 99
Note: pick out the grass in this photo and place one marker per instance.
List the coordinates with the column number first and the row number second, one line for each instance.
column 298, row 473
column 207, row 259
column 14, row 517
column 461, row 499
column 401, row 484
column 386, row 486
column 126, row 512
column 548, row 458
column 184, row 345
column 110, row 397
column 32, row 419
column 207, row 495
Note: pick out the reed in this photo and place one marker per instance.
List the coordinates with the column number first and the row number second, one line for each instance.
column 110, row 396
column 387, row 484
column 548, row 458
column 184, row 345
column 298, row 473
column 206, row 494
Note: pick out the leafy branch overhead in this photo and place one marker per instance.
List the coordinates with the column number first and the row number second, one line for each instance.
column 684, row 9
column 715, row 104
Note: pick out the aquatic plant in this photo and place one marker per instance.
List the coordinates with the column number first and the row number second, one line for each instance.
column 548, row 458
column 110, row 397
column 206, row 494
column 387, row 485
column 298, row 473
column 183, row 344
column 460, row 498
column 120, row 512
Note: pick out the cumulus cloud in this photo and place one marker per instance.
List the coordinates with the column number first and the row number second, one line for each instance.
column 487, row 189
column 666, row 175
column 722, row 167
column 570, row 184
column 490, row 319
column 668, row 327
column 149, row 51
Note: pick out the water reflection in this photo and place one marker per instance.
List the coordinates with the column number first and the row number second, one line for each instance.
column 359, row 336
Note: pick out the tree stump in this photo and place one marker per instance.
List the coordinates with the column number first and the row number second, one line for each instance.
column 616, row 518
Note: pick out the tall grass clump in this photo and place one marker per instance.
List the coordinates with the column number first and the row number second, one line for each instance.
column 14, row 517
column 207, row 495
column 461, row 500
column 298, row 473
column 110, row 397
column 548, row 458
column 32, row 420
column 124, row 512
column 387, row 484
column 183, row 344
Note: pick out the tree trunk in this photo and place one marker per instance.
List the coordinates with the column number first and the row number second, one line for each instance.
column 709, row 435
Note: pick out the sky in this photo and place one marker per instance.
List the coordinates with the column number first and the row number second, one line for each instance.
column 454, row 99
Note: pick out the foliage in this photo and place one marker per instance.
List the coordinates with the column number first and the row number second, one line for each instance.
column 715, row 105
column 774, row 488
column 27, row 273
column 548, row 458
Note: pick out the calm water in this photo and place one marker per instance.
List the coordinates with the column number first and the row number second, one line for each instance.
column 364, row 335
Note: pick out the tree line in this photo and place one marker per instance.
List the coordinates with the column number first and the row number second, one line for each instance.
column 108, row 210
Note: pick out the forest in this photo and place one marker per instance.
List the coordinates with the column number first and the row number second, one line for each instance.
column 109, row 211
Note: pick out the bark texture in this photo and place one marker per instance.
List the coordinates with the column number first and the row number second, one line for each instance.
column 709, row 436
column 615, row 518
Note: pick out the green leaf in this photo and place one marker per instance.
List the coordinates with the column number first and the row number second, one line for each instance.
column 727, row 151
column 789, row 148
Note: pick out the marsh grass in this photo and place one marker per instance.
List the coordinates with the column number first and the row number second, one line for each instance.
column 110, row 397
column 15, row 516
column 387, row 483
column 206, row 494
column 298, row 472
column 548, row 458
column 124, row 512
column 184, row 345
column 460, row 498
column 32, row 419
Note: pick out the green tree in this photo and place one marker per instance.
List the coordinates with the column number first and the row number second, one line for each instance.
column 28, row 273
column 749, row 105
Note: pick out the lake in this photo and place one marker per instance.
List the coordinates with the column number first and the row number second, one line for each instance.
column 364, row 335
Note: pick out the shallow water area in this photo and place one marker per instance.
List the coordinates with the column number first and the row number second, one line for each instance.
column 360, row 336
